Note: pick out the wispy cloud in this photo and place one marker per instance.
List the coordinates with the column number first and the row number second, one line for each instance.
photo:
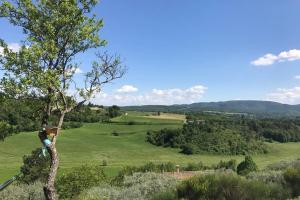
column 297, row 77
column 153, row 97
column 284, row 56
column 285, row 95
column 127, row 89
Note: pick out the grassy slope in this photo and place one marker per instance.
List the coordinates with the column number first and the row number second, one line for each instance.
column 94, row 143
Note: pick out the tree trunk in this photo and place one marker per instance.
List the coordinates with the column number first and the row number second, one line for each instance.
column 49, row 188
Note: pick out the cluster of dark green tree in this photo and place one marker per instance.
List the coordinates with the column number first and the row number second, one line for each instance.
column 196, row 138
column 25, row 112
column 21, row 114
column 226, row 134
column 284, row 129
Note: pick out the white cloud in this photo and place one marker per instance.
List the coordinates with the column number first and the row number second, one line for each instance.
column 285, row 95
column 267, row 59
column 78, row 71
column 297, row 77
column 15, row 47
column 284, row 56
column 153, row 97
column 127, row 89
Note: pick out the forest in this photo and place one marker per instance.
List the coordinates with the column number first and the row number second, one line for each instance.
column 227, row 134
column 23, row 114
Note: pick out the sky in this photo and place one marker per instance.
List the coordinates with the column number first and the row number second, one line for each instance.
column 190, row 51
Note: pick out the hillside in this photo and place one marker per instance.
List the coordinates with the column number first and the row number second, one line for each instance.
column 258, row 108
column 94, row 142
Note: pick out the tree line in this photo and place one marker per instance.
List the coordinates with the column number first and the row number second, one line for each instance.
column 24, row 114
column 226, row 134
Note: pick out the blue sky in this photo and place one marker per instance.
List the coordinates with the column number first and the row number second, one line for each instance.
column 191, row 51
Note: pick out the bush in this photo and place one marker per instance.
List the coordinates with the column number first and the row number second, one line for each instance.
column 292, row 177
column 5, row 130
column 71, row 184
column 131, row 122
column 283, row 165
column 229, row 187
column 267, row 177
column 72, row 124
column 231, row 164
column 246, row 166
column 35, row 167
column 23, row 191
column 135, row 187
column 165, row 195
column 148, row 167
column 194, row 167
column 188, row 149
column 104, row 162
column 115, row 133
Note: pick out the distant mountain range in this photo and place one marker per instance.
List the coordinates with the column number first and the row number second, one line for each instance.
column 258, row 108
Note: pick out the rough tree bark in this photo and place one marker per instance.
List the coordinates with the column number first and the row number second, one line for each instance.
column 49, row 188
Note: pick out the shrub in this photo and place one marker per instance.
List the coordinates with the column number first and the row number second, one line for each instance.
column 135, row 187
column 188, row 149
column 283, row 165
column 131, row 122
column 231, row 164
column 194, row 167
column 267, row 177
column 104, row 162
column 35, row 167
column 167, row 167
column 32, row 191
column 148, row 167
column 72, row 124
column 165, row 195
column 292, row 177
column 229, row 187
column 115, row 133
column 72, row 183
column 246, row 166
column 5, row 130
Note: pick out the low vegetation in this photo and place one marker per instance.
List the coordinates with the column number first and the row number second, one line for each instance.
column 150, row 182
column 135, row 187
column 72, row 183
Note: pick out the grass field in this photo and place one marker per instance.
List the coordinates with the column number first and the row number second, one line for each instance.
column 94, row 143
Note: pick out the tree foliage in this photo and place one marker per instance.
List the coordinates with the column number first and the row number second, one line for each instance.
column 80, row 178
column 35, row 167
column 246, row 166
column 56, row 32
column 209, row 137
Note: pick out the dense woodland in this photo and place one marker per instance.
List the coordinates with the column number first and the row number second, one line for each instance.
column 227, row 134
column 24, row 114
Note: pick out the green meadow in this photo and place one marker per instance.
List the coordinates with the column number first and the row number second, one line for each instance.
column 93, row 143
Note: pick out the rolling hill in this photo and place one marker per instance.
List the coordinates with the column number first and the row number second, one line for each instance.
column 258, row 108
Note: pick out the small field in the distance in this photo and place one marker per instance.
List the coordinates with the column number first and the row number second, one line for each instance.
column 94, row 143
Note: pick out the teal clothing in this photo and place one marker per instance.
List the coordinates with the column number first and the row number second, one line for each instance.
column 47, row 142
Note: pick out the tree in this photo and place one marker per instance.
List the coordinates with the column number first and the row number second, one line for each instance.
column 5, row 130
column 35, row 167
column 56, row 32
column 246, row 166
column 114, row 111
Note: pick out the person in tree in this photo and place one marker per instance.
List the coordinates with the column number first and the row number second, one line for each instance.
column 43, row 134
